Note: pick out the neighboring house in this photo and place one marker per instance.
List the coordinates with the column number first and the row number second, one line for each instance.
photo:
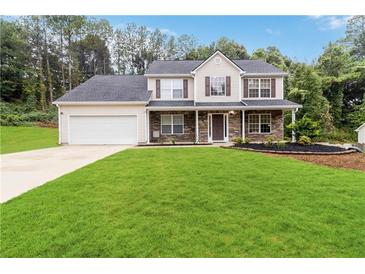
column 361, row 134
column 187, row 101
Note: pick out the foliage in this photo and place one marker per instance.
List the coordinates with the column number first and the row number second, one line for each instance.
column 269, row 140
column 305, row 127
column 339, row 135
column 304, row 140
column 141, row 203
column 281, row 144
column 246, row 140
column 238, row 140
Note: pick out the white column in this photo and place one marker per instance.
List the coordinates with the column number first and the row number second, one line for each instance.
column 243, row 125
column 196, row 126
column 148, row 126
column 293, row 121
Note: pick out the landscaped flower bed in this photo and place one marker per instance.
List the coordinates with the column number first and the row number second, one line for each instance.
column 294, row 148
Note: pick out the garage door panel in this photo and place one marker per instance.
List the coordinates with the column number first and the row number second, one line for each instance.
column 103, row 130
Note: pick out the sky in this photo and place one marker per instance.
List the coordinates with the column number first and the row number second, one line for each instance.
column 299, row 37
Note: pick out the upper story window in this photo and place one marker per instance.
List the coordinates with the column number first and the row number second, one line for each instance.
column 259, row 88
column 218, row 86
column 171, row 89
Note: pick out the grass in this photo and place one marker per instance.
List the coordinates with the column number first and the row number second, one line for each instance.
column 190, row 202
column 15, row 139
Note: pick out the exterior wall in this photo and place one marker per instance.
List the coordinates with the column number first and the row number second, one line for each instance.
column 107, row 109
column 277, row 126
column 234, row 125
column 361, row 135
column 279, row 85
column 189, row 127
column 224, row 69
column 151, row 85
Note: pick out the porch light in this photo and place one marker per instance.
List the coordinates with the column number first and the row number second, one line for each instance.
column 231, row 112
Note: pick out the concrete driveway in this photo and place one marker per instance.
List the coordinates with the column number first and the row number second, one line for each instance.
column 23, row 171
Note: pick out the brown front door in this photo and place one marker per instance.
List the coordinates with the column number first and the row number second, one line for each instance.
column 217, row 121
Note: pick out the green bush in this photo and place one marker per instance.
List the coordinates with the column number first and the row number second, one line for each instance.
column 237, row 140
column 305, row 127
column 269, row 141
column 10, row 120
column 339, row 135
column 246, row 141
column 305, row 140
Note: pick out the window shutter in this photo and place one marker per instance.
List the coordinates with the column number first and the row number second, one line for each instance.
column 207, row 86
column 158, row 90
column 245, row 88
column 185, row 88
column 228, row 86
column 273, row 88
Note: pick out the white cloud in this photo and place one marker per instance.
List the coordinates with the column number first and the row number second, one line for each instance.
column 272, row 32
column 330, row 22
column 168, row 32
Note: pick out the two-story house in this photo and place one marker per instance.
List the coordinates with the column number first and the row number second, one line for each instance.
column 206, row 101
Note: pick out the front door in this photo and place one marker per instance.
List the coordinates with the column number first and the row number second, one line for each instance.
column 218, row 127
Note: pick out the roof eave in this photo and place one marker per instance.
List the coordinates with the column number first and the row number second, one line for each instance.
column 100, row 103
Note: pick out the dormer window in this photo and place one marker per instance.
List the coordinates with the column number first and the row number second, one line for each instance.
column 171, row 89
column 218, row 86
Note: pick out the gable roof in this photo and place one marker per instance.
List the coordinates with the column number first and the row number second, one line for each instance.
column 360, row 127
column 109, row 88
column 186, row 67
column 225, row 57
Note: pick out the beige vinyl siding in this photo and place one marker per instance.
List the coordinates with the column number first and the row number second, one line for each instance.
column 107, row 109
column 225, row 68
column 279, row 83
column 151, row 85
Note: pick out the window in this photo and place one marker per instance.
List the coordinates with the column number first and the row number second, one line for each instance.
column 172, row 124
column 253, row 87
column 171, row 89
column 259, row 88
column 259, row 123
column 265, row 88
column 217, row 86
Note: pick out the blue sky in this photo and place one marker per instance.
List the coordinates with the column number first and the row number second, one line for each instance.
column 299, row 37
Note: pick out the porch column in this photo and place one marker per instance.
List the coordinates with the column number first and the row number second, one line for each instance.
column 148, row 126
column 196, row 126
column 243, row 125
column 293, row 121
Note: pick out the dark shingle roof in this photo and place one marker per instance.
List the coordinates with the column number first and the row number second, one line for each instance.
column 219, row 104
column 269, row 102
column 180, row 103
column 185, row 67
column 173, row 67
column 109, row 88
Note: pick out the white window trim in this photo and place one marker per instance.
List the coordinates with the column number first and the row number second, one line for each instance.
column 172, row 124
column 259, row 132
column 259, row 97
column 172, row 89
column 225, row 86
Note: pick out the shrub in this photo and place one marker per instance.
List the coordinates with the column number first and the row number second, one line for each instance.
column 246, row 141
column 305, row 127
column 305, row 140
column 281, row 144
column 269, row 141
column 10, row 120
column 237, row 140
column 173, row 141
column 339, row 135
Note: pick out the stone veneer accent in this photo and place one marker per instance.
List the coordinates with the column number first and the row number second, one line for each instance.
column 189, row 127
column 234, row 121
column 277, row 125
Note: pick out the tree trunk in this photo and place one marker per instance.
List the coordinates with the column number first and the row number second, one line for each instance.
column 62, row 65
column 69, row 63
column 49, row 74
column 42, row 86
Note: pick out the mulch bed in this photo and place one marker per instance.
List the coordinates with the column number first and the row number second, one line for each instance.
column 291, row 148
column 352, row 161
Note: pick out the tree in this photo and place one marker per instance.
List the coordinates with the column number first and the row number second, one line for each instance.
column 272, row 55
column 355, row 35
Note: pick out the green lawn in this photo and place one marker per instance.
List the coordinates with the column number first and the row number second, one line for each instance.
column 15, row 139
column 190, row 202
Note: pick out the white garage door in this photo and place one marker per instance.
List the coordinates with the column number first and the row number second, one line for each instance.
column 103, row 129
